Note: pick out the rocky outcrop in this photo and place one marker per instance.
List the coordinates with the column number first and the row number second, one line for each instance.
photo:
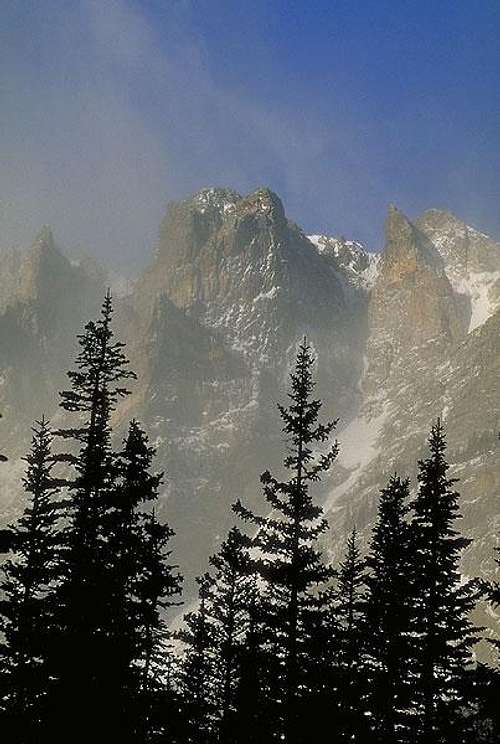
column 412, row 304
column 463, row 248
column 471, row 259
column 241, row 268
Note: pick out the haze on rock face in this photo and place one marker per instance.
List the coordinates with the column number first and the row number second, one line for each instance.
column 212, row 326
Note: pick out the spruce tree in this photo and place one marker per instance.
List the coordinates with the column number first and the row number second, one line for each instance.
column 81, row 648
column 488, row 677
column 350, row 661
column 256, row 716
column 27, row 586
column 141, row 583
column 442, row 632
column 290, row 564
column 198, row 670
column 228, row 608
column 388, row 638
column 156, row 587
column 493, row 595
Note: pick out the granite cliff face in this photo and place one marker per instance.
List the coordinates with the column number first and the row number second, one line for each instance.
column 233, row 286
column 212, row 326
column 241, row 268
column 412, row 303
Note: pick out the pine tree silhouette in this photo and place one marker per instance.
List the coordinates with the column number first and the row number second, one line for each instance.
column 26, row 586
column 157, row 585
column 443, row 634
column 198, row 672
column 290, row 564
column 493, row 595
column 82, row 651
column 257, row 716
column 141, row 584
column 488, row 677
column 350, row 614
column 228, row 607
column 388, row 615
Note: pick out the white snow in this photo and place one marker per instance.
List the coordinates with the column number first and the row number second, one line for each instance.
column 477, row 285
column 358, row 447
column 370, row 274
column 351, row 255
column 271, row 294
column 221, row 199
column 358, row 441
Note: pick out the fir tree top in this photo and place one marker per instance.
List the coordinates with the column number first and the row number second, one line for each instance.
column 102, row 368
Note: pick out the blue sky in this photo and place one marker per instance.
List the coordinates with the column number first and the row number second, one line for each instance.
column 111, row 107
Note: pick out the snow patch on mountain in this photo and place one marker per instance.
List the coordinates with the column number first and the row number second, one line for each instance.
column 351, row 259
column 358, row 447
column 479, row 287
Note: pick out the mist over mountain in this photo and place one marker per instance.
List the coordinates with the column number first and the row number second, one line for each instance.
column 212, row 326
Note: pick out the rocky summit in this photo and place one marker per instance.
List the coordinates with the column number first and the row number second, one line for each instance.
column 402, row 336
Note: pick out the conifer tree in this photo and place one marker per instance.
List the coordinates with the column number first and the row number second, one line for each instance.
column 290, row 564
column 388, row 615
column 156, row 587
column 26, row 586
column 350, row 615
column 443, row 634
column 256, row 715
column 488, row 677
column 141, row 583
column 198, row 672
column 81, row 647
column 493, row 595
column 227, row 607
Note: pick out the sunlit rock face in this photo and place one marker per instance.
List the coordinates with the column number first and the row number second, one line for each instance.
column 239, row 267
column 412, row 303
column 233, row 287
column 471, row 259
column 212, row 325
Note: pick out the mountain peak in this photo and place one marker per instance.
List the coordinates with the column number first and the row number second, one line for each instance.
column 436, row 215
column 265, row 202
column 463, row 248
column 396, row 223
column 216, row 198
column 406, row 247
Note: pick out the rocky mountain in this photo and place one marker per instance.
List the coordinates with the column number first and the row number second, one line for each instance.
column 429, row 353
column 212, row 325
column 216, row 319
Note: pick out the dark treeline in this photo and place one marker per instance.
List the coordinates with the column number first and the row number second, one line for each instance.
column 281, row 646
